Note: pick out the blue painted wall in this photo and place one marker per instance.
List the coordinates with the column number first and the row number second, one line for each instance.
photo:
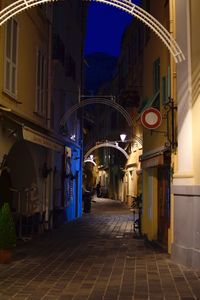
column 74, row 201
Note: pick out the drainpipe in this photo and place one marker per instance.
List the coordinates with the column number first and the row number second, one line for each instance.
column 49, row 83
column 172, row 29
column 50, row 156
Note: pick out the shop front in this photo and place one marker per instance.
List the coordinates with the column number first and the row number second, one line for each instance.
column 156, row 196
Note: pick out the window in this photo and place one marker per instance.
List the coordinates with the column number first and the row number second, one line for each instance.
column 166, row 3
column 40, row 83
column 70, row 66
column 10, row 78
column 166, row 87
column 164, row 90
column 156, row 75
column 156, row 102
column 168, row 83
column 58, row 49
column 156, row 83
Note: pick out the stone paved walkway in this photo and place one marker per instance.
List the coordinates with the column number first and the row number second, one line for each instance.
column 96, row 257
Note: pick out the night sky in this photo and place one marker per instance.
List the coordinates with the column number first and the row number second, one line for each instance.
column 105, row 26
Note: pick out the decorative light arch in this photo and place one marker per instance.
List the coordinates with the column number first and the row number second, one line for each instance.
column 125, row 5
column 90, row 161
column 135, row 138
column 94, row 100
column 103, row 145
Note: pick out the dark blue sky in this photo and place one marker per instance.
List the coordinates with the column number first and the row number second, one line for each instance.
column 105, row 26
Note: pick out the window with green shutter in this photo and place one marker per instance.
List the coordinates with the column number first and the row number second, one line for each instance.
column 164, row 90
column 156, row 75
column 169, row 83
column 156, row 83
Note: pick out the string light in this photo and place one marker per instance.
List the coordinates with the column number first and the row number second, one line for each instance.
column 125, row 5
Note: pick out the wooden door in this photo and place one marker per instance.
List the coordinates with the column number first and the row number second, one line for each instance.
column 163, row 204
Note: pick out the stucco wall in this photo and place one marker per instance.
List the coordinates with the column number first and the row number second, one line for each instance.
column 186, row 246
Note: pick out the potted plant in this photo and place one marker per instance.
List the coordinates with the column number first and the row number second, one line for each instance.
column 137, row 204
column 7, row 234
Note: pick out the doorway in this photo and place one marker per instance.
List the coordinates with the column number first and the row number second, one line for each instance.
column 163, row 204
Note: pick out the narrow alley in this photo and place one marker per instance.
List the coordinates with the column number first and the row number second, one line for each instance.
column 95, row 257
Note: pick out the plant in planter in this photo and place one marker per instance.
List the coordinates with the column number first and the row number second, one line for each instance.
column 7, row 234
column 137, row 204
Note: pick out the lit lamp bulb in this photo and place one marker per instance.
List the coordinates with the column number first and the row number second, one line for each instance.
column 123, row 137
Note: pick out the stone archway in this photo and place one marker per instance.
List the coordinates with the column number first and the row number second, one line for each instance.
column 125, row 5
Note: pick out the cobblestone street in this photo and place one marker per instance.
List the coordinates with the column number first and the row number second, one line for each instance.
column 96, row 257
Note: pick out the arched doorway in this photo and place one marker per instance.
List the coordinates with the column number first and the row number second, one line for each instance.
column 23, row 178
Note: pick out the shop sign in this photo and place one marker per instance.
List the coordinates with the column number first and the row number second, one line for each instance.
column 152, row 162
column 40, row 139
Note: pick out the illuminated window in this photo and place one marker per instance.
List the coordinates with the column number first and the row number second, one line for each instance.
column 10, row 78
column 40, row 83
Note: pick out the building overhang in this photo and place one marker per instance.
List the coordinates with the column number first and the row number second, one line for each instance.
column 155, row 159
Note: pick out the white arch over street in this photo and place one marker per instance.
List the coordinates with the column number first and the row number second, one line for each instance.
column 96, row 100
column 103, row 145
column 125, row 5
column 90, row 161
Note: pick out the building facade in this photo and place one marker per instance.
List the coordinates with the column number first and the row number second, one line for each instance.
column 170, row 153
column 155, row 160
column 185, row 188
column 127, row 88
column 144, row 81
column 26, row 148
column 68, row 32
column 36, row 160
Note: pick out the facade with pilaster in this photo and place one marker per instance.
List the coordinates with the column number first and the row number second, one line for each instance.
column 37, row 159
column 186, row 176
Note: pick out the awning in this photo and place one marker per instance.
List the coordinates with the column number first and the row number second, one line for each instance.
column 41, row 139
column 155, row 159
column 152, row 162
column 16, row 126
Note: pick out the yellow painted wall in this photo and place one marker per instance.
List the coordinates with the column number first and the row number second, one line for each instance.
column 172, row 17
column 132, row 166
column 32, row 33
column 155, row 140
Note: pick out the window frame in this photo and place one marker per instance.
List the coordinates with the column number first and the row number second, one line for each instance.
column 12, row 65
column 156, row 82
column 164, row 90
column 156, row 75
column 40, row 99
